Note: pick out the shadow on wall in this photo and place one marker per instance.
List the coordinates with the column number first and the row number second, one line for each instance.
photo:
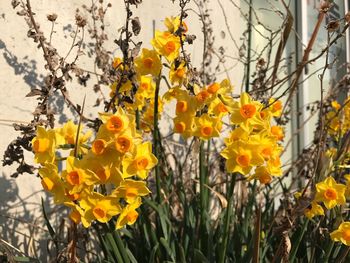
column 28, row 69
column 23, row 231
column 22, row 223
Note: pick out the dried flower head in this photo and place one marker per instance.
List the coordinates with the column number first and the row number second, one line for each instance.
column 52, row 17
column 80, row 21
column 325, row 6
column 333, row 25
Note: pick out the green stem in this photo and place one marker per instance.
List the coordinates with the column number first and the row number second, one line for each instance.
column 203, row 201
column 114, row 247
column 297, row 241
column 227, row 219
column 328, row 251
column 156, row 138
column 106, row 251
column 121, row 247
column 202, row 178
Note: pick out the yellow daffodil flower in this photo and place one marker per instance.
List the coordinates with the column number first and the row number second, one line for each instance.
column 167, row 45
column 342, row 234
column 43, row 145
column 275, row 107
column 241, row 157
column 178, row 73
column 99, row 207
column 184, row 125
column 207, row 127
column 77, row 177
column 330, row 193
column 128, row 214
column 140, row 162
column 130, row 190
column 173, row 24
column 246, row 112
column 52, row 182
column 148, row 63
column 262, row 174
column 313, row 210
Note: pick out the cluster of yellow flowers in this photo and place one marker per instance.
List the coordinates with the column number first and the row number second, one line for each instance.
column 329, row 192
column 106, row 178
column 254, row 142
column 148, row 67
column 339, row 119
column 200, row 114
column 99, row 181
column 200, row 111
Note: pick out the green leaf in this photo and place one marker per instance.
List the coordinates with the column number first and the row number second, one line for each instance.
column 199, row 257
column 167, row 248
column 131, row 256
column 153, row 253
column 25, row 259
column 48, row 225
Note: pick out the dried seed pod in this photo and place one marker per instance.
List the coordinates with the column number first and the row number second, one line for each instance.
column 325, row 6
column 52, row 17
column 333, row 25
column 80, row 21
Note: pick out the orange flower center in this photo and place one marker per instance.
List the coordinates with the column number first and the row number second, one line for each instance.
column 248, row 111
column 276, row 162
column 99, row 212
column 115, row 124
column 265, row 178
column 263, row 114
column 47, row 183
column 98, row 146
column 72, row 197
column 123, row 144
column 101, row 173
column 75, row 216
column 74, row 178
column 181, row 106
column 221, row 107
column 169, row 47
column 131, row 192
column 277, row 132
column 180, row 127
column 266, row 152
column 202, row 96
column 70, row 138
column 277, row 106
column 148, row 63
column 213, row 88
column 144, row 86
column 206, row 131
column 166, row 34
column 132, row 216
column 346, row 234
column 180, row 72
column 141, row 163
column 243, row 160
column 41, row 145
column 330, row 194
